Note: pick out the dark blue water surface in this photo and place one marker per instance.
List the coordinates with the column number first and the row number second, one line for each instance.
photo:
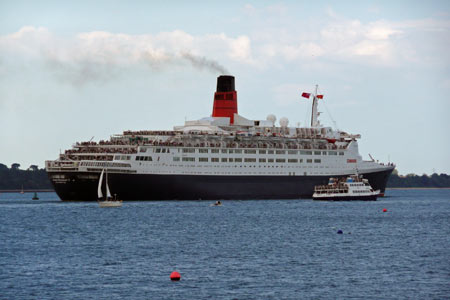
column 242, row 250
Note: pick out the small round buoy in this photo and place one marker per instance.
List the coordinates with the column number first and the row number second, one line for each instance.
column 340, row 232
column 175, row 276
column 384, row 210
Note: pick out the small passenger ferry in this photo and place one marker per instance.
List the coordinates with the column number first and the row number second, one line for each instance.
column 353, row 187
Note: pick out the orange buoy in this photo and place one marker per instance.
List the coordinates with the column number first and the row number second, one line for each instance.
column 384, row 210
column 175, row 276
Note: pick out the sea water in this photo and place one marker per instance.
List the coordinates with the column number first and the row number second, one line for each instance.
column 274, row 249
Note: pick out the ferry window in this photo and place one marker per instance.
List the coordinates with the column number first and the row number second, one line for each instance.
column 341, row 153
column 281, row 152
column 309, row 161
column 230, row 151
column 317, row 161
column 300, row 160
column 215, row 159
column 214, row 150
column 224, row 159
column 292, row 152
column 248, row 151
column 117, row 157
column 306, row 152
column 128, row 157
column 317, row 152
column 332, row 153
column 203, row 150
column 142, row 149
column 188, row 150
column 176, row 158
column 292, row 160
column 188, row 159
column 262, row 160
column 324, row 152
column 145, row 158
column 230, row 160
column 164, row 150
column 224, row 150
column 158, row 150
column 203, row 159
column 262, row 151
column 138, row 157
column 238, row 159
column 249, row 159
column 280, row 160
column 270, row 160
column 150, row 158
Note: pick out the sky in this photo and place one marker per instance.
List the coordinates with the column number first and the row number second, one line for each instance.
column 79, row 70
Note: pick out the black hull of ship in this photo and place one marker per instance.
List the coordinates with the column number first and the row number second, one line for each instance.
column 135, row 187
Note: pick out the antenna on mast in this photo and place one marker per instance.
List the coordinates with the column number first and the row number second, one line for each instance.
column 314, row 113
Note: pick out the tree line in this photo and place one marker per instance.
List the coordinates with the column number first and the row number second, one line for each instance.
column 14, row 178
column 421, row 181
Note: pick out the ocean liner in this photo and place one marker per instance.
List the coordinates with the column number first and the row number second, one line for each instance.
column 225, row 156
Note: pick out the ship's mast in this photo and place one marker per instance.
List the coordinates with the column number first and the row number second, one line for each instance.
column 314, row 113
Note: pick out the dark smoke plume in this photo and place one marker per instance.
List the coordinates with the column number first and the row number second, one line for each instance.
column 204, row 63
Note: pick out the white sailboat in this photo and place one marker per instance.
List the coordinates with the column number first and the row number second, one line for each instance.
column 108, row 201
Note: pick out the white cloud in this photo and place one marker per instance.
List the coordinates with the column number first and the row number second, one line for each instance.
column 338, row 39
column 89, row 55
column 240, row 49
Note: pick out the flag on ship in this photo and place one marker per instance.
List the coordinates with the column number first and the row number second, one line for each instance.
column 307, row 95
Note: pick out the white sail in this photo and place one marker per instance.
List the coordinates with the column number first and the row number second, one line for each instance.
column 99, row 190
column 108, row 193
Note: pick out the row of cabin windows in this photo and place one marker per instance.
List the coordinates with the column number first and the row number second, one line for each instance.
column 144, row 158
column 261, row 160
column 163, row 150
column 122, row 157
column 252, row 151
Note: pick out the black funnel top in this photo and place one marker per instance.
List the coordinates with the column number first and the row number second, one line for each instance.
column 225, row 83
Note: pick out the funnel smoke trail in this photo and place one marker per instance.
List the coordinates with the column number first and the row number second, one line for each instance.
column 204, row 63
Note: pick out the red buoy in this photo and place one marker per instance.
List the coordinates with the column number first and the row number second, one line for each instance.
column 384, row 210
column 175, row 276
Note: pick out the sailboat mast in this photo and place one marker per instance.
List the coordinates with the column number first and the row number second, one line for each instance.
column 106, row 184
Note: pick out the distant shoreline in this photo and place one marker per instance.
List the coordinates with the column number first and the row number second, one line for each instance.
column 417, row 188
column 390, row 188
column 28, row 191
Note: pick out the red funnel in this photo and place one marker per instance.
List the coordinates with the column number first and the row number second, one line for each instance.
column 225, row 98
